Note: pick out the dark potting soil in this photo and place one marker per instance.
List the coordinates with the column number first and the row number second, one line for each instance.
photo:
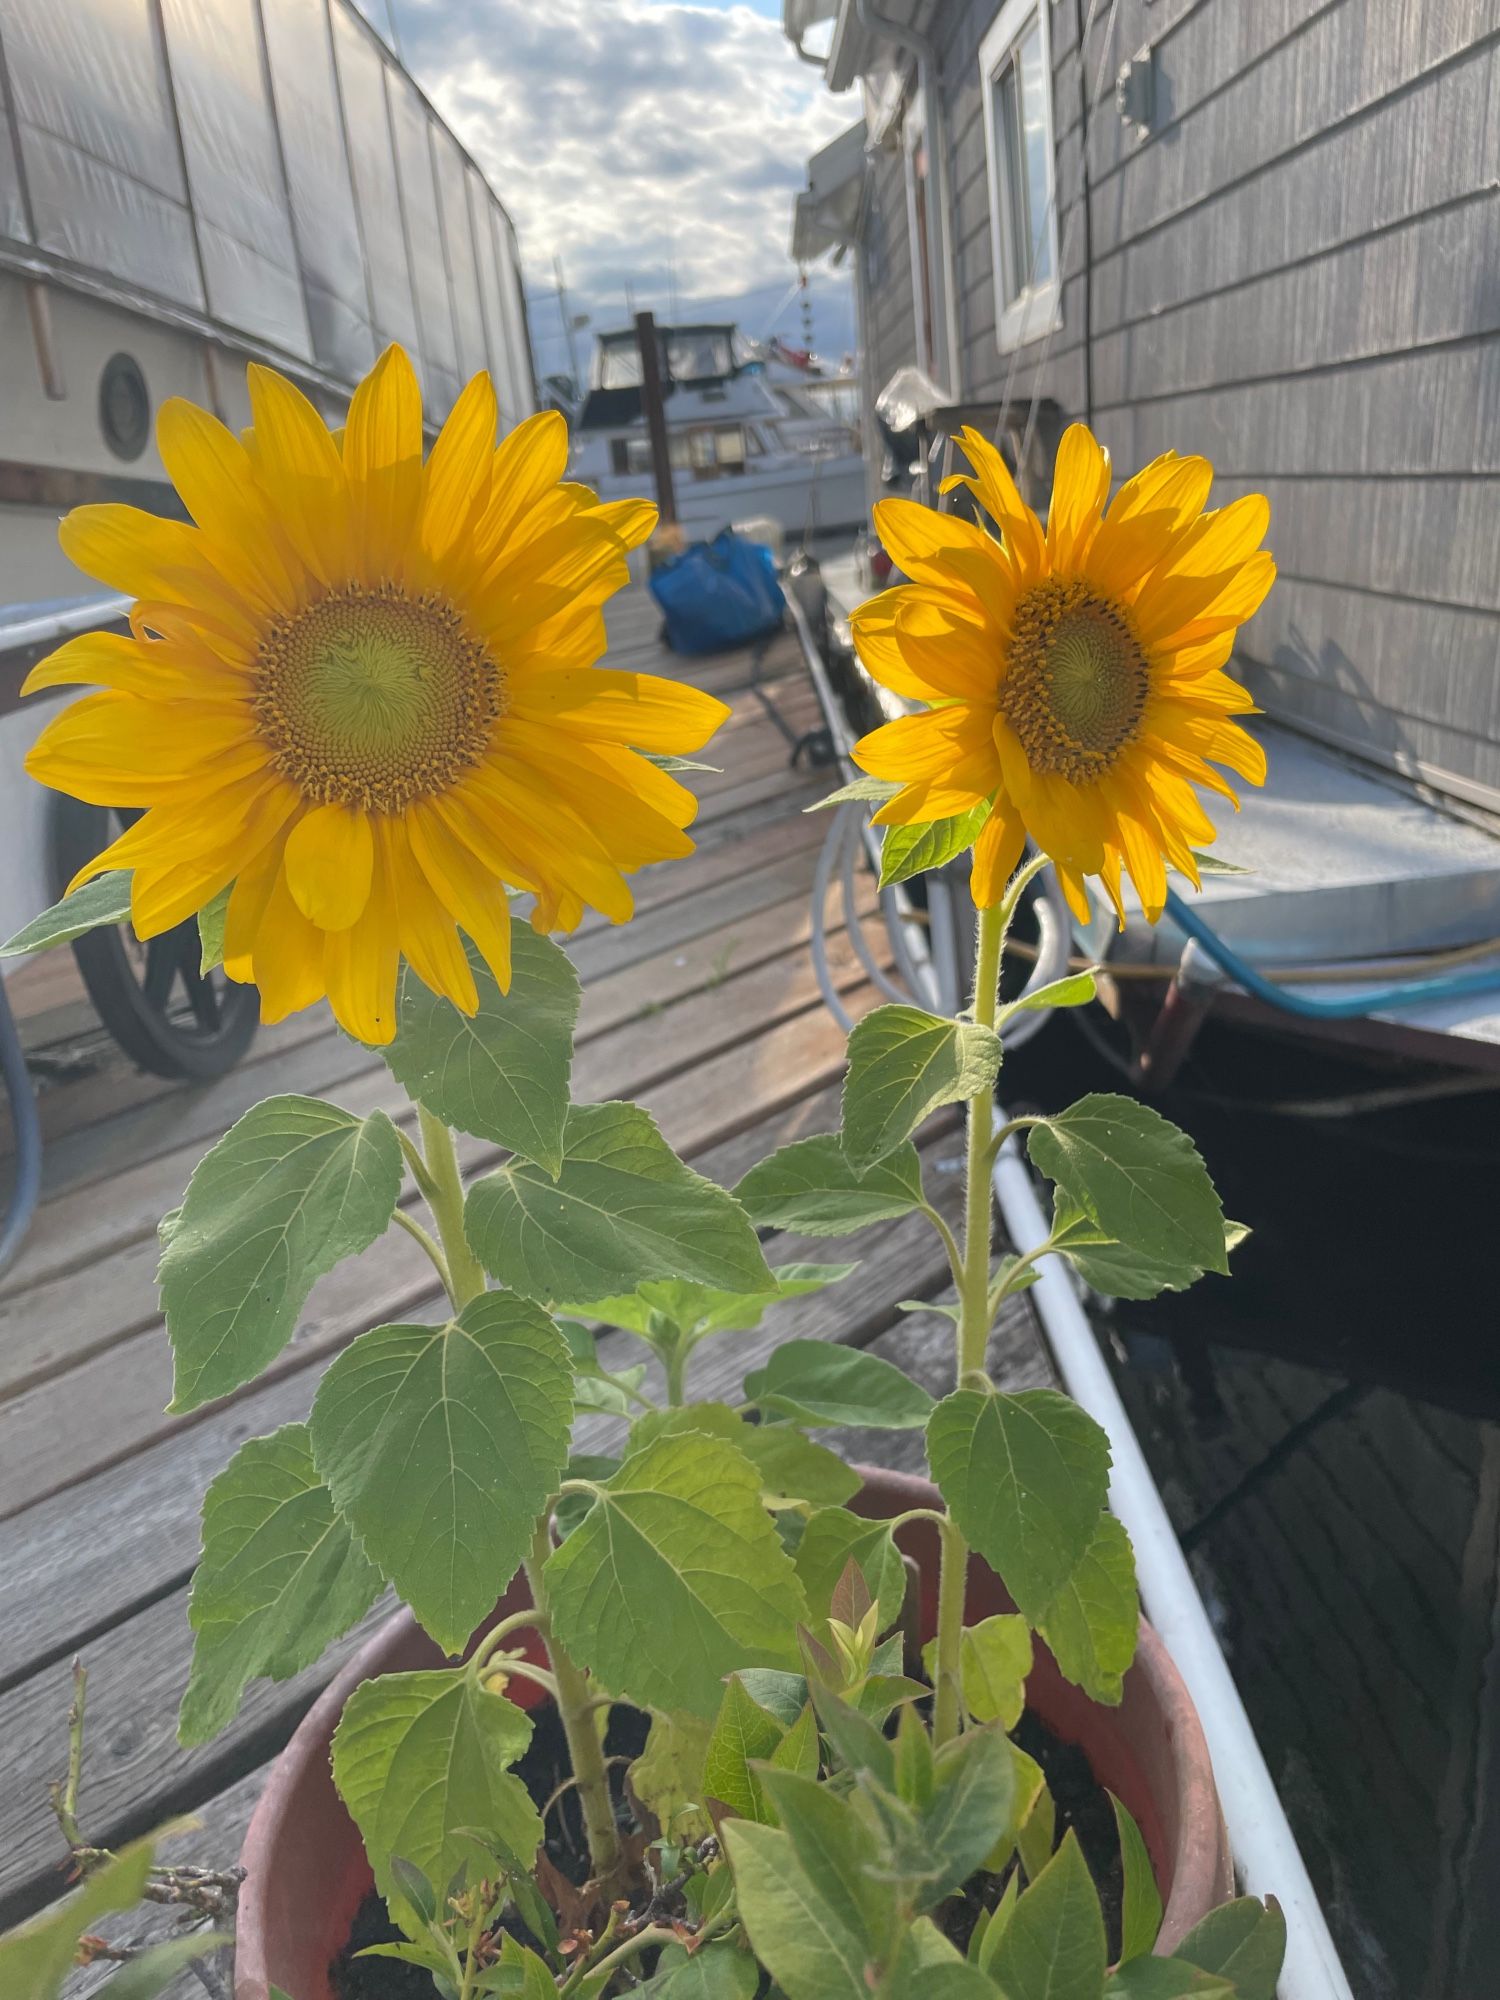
column 1081, row 1802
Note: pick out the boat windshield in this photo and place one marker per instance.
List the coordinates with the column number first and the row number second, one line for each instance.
column 689, row 354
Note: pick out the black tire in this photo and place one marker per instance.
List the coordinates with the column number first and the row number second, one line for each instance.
column 165, row 1014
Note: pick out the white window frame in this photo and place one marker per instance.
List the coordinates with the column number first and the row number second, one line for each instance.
column 934, row 359
column 1037, row 310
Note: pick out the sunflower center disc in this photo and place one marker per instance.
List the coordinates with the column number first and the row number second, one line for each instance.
column 371, row 698
column 1077, row 681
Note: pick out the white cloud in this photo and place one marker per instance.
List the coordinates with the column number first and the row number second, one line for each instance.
column 631, row 135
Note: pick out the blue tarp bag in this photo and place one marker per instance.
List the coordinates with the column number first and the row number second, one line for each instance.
column 719, row 593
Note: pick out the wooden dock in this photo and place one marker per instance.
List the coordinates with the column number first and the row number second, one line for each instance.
column 704, row 1009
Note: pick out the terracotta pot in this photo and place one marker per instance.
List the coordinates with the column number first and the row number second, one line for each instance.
column 306, row 1873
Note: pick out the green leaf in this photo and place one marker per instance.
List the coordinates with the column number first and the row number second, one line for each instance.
column 810, row 1952
column 1140, row 1178
column 1053, row 1946
column 811, row 1187
column 419, row 1759
column 1118, row 1270
column 528, row 1977
column 156, row 1967
column 989, row 1941
column 1215, row 864
column 501, row 1073
column 789, row 1463
column 699, row 1310
column 664, row 762
column 289, row 1191
column 1243, row 1941
column 799, row 1750
column 785, row 1695
column 994, row 1659
column 839, row 1849
column 831, row 1539
column 1165, row 1979
column 822, row 1382
column 1092, row 1624
column 211, row 930
column 667, row 1777
column 676, row 1577
column 281, row 1577
column 716, row 1972
column 1024, row 1477
column 876, row 790
column 1038, row 1830
column 35, row 1959
column 912, row 850
column 973, row 1782
column 105, row 900
column 442, row 1444
column 743, row 1733
column 903, row 1064
column 623, row 1209
column 1076, row 990
column 1141, row 1908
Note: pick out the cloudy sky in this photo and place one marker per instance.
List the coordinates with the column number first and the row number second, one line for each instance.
column 637, row 139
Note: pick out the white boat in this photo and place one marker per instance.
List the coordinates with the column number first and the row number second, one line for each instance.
column 749, row 437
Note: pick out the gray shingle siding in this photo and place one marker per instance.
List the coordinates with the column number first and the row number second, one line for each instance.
column 1298, row 274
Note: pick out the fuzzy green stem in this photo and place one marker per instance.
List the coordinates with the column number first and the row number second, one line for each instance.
column 575, row 1712
column 439, row 1262
column 655, row 1934
column 974, row 1282
column 446, row 1199
column 975, row 1306
column 675, row 1360
column 947, row 1681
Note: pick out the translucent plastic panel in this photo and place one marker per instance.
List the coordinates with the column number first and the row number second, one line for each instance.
column 481, row 201
column 518, row 341
column 90, row 74
column 317, row 171
column 361, row 74
column 410, row 122
column 12, row 210
column 462, row 275
column 234, row 170
column 95, row 132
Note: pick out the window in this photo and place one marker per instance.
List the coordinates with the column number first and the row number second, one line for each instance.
column 1015, row 62
column 923, row 233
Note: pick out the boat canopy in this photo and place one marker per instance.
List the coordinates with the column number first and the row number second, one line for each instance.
column 825, row 216
column 264, row 172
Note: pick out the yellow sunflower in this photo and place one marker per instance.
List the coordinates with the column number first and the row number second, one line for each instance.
column 1073, row 673
column 362, row 690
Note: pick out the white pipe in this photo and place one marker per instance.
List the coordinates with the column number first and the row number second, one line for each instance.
column 1264, row 1847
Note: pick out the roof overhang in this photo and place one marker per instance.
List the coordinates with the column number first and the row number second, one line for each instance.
column 826, row 213
column 857, row 50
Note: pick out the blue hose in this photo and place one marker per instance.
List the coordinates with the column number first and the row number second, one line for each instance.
column 1406, row 993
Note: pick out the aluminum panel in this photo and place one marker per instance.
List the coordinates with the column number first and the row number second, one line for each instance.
column 410, row 123
column 463, row 277
column 361, row 77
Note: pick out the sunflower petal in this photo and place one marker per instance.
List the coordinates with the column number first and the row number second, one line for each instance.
column 383, row 460
column 645, row 711
column 330, row 863
column 996, row 854
column 360, row 965
column 472, row 895
column 1080, row 487
column 425, row 932
column 456, row 486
